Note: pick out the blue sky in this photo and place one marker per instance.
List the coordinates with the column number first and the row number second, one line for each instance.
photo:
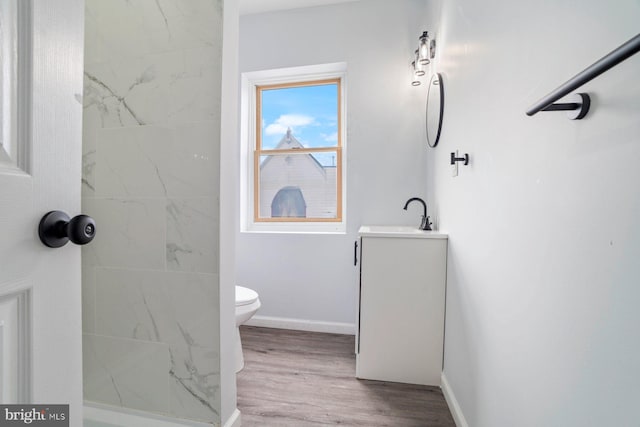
column 310, row 111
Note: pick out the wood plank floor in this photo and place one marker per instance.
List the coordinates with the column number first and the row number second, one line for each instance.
column 299, row 379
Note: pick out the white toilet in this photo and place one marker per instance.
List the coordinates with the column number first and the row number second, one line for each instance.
column 247, row 303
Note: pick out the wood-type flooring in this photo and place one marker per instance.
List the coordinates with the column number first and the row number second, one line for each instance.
column 300, row 379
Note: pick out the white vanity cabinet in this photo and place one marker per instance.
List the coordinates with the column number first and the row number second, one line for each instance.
column 400, row 333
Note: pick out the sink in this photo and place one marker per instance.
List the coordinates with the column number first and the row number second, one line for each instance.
column 403, row 231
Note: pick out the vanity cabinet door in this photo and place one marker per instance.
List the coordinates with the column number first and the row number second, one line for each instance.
column 401, row 317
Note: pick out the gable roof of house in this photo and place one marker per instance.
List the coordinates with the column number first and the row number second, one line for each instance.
column 289, row 141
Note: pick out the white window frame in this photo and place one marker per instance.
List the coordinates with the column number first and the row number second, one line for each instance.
column 250, row 81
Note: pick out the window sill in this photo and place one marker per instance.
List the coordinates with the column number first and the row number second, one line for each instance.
column 296, row 228
column 337, row 233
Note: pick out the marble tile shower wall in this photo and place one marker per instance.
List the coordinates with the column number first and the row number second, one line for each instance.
column 150, row 179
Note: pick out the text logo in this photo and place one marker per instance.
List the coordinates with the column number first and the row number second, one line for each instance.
column 35, row 415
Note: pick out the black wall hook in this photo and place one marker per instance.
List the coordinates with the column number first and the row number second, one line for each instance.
column 455, row 159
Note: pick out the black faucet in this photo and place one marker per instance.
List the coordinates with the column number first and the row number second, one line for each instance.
column 424, row 224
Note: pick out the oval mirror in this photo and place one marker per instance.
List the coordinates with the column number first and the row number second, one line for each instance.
column 435, row 108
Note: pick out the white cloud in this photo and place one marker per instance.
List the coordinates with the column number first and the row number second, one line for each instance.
column 285, row 121
column 333, row 137
column 275, row 129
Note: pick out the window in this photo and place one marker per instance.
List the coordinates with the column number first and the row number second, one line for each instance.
column 295, row 150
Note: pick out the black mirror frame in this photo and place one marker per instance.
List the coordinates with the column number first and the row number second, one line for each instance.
column 436, row 79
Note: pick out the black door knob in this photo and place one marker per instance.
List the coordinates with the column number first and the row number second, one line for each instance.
column 56, row 229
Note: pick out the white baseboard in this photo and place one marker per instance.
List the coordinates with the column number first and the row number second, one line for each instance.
column 454, row 406
column 302, row 325
column 234, row 420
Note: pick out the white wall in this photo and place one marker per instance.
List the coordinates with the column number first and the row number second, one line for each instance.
column 312, row 277
column 229, row 189
column 543, row 272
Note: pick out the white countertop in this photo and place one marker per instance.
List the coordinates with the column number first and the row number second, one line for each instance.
column 401, row 231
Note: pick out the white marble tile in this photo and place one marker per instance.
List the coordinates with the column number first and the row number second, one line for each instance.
column 107, row 90
column 134, row 91
column 192, row 235
column 157, row 306
column 88, row 299
column 195, row 93
column 112, row 25
column 88, row 166
column 150, row 179
column 153, row 161
column 129, row 233
column 195, row 376
column 132, row 304
column 194, row 168
column 90, row 125
column 130, row 161
column 161, row 88
column 148, row 94
column 155, row 25
column 175, row 308
column 89, row 253
column 194, row 385
column 102, row 43
column 195, row 308
column 194, row 23
column 124, row 372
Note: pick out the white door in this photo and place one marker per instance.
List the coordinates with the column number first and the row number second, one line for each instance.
column 41, row 62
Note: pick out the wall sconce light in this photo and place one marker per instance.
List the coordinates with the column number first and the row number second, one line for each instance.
column 415, row 78
column 419, row 66
column 423, row 55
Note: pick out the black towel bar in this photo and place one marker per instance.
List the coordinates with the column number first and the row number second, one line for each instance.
column 615, row 57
